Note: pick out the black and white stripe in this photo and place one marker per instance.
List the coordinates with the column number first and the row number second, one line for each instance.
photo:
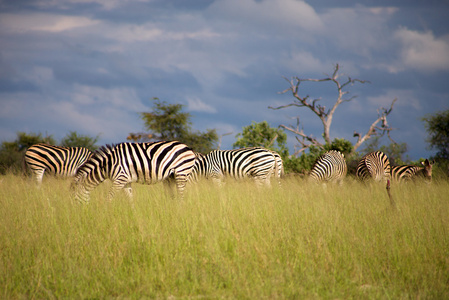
column 375, row 165
column 401, row 173
column 59, row 161
column 329, row 167
column 256, row 162
column 278, row 170
column 125, row 163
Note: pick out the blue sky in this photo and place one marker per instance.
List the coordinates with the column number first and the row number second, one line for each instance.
column 91, row 66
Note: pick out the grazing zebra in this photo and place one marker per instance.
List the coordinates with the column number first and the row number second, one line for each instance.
column 255, row 162
column 126, row 163
column 400, row 173
column 374, row 165
column 329, row 167
column 60, row 161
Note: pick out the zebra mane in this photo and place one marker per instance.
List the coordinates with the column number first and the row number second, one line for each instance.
column 105, row 149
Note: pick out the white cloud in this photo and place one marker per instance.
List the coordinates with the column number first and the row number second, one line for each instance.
column 423, row 51
column 41, row 76
column 106, row 4
column 43, row 22
column 110, row 122
column 274, row 13
column 304, row 62
column 120, row 98
column 154, row 32
column 360, row 30
column 195, row 104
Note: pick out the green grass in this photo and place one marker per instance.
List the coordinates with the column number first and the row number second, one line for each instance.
column 238, row 242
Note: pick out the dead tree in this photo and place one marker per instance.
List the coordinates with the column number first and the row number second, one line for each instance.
column 326, row 115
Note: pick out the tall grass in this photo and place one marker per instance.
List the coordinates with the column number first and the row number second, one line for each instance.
column 297, row 241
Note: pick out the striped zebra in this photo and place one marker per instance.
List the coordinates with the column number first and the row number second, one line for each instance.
column 255, row 162
column 125, row 163
column 278, row 170
column 329, row 167
column 59, row 161
column 400, row 173
column 374, row 165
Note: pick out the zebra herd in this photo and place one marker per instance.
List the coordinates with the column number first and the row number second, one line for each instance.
column 176, row 164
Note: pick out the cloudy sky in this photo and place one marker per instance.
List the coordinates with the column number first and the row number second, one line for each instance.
column 91, row 66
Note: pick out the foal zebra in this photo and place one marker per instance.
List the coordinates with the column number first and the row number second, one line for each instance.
column 126, row 163
column 399, row 173
column 256, row 162
column 329, row 167
column 60, row 161
column 374, row 165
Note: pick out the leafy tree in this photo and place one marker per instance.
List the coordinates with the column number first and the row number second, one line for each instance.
column 167, row 122
column 342, row 145
column 262, row 135
column 437, row 127
column 394, row 151
column 72, row 139
column 201, row 142
column 303, row 163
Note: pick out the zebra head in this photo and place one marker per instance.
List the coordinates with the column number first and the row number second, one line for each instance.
column 427, row 169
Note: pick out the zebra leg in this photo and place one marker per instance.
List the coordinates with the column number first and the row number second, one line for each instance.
column 181, row 181
column 217, row 179
column 264, row 181
column 39, row 174
column 82, row 194
column 168, row 186
column 129, row 191
column 117, row 186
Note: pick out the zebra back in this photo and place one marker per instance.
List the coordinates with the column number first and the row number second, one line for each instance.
column 331, row 166
column 56, row 160
column 407, row 172
column 374, row 165
column 126, row 163
column 255, row 162
column 200, row 167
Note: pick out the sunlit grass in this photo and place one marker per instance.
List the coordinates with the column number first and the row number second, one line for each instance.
column 297, row 241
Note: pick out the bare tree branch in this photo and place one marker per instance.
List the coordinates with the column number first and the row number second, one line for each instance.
column 374, row 129
column 326, row 115
column 220, row 138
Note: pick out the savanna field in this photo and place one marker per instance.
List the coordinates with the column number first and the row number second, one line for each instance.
column 297, row 241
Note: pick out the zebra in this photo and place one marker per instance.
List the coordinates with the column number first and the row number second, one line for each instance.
column 329, row 167
column 399, row 173
column 278, row 170
column 374, row 165
column 255, row 162
column 59, row 161
column 126, row 163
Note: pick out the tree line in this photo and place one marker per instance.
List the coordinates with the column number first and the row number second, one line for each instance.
column 168, row 121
